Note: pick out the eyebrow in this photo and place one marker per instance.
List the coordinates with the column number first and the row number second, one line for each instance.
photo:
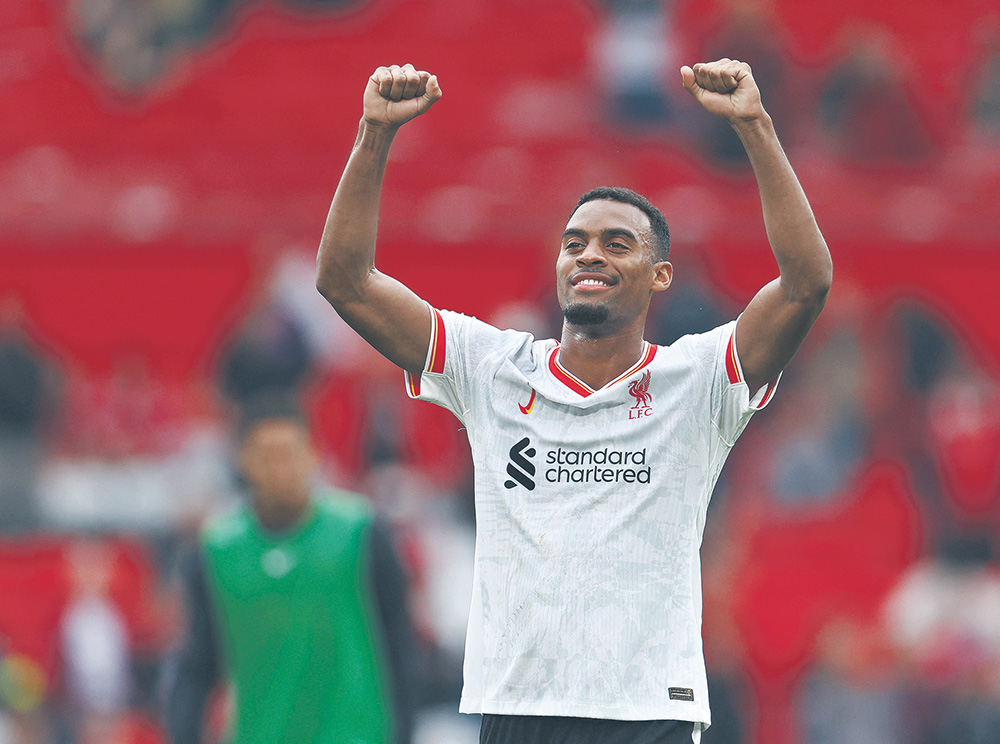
column 610, row 232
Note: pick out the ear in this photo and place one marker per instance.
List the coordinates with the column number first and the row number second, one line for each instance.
column 663, row 274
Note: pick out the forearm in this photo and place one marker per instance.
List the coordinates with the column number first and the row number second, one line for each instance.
column 780, row 315
column 798, row 245
column 346, row 255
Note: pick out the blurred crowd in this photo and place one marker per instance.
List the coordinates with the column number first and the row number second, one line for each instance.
column 867, row 102
column 133, row 44
column 852, row 572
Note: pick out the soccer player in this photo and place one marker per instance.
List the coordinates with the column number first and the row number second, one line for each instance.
column 301, row 598
column 595, row 455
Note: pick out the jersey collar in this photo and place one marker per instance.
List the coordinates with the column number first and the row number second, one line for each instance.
column 578, row 386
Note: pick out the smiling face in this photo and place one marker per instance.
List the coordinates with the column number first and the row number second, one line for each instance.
column 607, row 269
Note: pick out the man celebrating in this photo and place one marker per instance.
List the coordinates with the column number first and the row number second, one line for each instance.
column 596, row 455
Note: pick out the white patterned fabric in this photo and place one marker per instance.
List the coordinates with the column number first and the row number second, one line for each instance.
column 590, row 509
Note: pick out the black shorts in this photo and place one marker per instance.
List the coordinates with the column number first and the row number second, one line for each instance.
column 558, row 730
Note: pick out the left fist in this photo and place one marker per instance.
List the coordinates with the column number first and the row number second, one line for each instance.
column 726, row 88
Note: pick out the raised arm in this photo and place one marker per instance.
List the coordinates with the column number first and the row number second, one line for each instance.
column 778, row 318
column 385, row 312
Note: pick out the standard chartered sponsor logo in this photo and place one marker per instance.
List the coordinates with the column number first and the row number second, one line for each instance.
column 604, row 465
column 520, row 468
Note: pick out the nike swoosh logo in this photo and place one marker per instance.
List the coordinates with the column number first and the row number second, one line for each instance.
column 527, row 409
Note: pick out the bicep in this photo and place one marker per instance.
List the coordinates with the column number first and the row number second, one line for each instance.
column 771, row 330
column 392, row 318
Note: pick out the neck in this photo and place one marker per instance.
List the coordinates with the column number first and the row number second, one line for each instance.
column 280, row 518
column 597, row 358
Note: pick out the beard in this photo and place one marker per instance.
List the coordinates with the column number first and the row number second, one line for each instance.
column 581, row 313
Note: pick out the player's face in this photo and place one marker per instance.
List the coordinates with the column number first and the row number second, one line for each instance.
column 607, row 268
column 278, row 464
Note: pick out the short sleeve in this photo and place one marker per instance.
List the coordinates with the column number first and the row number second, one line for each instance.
column 732, row 402
column 459, row 344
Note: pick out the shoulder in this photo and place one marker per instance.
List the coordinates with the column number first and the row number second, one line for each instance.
column 344, row 506
column 473, row 329
column 228, row 528
column 479, row 347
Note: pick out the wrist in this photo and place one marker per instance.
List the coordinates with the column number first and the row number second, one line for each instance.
column 374, row 134
column 753, row 127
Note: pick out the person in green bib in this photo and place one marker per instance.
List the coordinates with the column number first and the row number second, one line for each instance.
column 298, row 599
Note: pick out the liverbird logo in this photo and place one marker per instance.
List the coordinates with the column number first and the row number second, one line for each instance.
column 639, row 389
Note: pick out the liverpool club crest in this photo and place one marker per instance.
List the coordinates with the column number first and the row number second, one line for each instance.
column 639, row 389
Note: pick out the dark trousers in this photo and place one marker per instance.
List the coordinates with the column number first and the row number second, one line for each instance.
column 559, row 730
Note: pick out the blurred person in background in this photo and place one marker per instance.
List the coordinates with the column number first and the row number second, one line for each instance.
column 854, row 693
column 943, row 618
column 586, row 612
column 985, row 104
column 867, row 107
column 298, row 598
column 268, row 353
column 25, row 716
column 133, row 44
column 950, row 436
column 125, row 413
column 694, row 307
column 634, row 48
column 24, row 392
column 751, row 31
column 95, row 648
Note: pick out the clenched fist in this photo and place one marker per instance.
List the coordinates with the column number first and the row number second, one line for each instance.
column 397, row 94
column 726, row 88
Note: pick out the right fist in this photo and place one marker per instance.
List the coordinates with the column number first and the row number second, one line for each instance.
column 395, row 95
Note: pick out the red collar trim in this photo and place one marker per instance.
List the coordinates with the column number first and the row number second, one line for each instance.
column 578, row 386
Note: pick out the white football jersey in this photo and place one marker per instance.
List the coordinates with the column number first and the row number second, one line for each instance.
column 590, row 508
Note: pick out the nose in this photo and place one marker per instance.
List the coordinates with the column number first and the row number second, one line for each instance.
column 591, row 255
